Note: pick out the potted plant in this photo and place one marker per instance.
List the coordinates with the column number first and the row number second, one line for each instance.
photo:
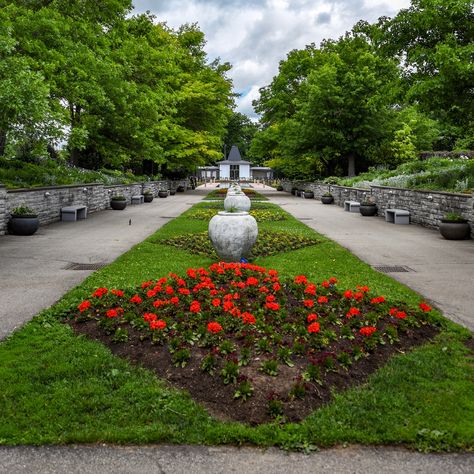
column 308, row 194
column 180, row 189
column 454, row 227
column 293, row 191
column 23, row 221
column 368, row 207
column 172, row 192
column 118, row 202
column 327, row 198
column 279, row 187
column 163, row 193
column 148, row 196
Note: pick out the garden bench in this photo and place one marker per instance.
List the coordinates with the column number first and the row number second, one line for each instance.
column 73, row 213
column 138, row 199
column 397, row 216
column 351, row 206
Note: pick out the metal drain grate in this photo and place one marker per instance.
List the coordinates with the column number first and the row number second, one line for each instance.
column 393, row 268
column 84, row 266
column 306, row 218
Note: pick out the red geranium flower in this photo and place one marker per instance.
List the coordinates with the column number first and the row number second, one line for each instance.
column 151, row 293
column 312, row 317
column 359, row 295
column 270, row 298
column 216, row 302
column 325, row 284
column 195, row 307
column 146, row 284
column 214, row 327
column 149, row 317
column 191, row 273
column 117, row 292
column 263, row 289
column 248, row 318
column 184, row 291
column 314, row 327
column 228, row 305
column 273, row 306
column 310, row 289
column 367, row 331
column 84, row 305
column 159, row 324
column 114, row 313
column 379, row 299
column 333, row 280
column 348, row 294
column 308, row 303
column 301, row 279
column 352, row 312
column 276, row 287
column 322, row 299
column 251, row 281
column 135, row 299
column 400, row 315
column 100, row 292
column 425, row 307
column 174, row 300
column 273, row 273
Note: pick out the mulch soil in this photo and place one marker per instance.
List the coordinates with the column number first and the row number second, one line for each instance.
column 219, row 399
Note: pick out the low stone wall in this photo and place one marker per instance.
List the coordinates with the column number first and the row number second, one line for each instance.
column 3, row 210
column 48, row 201
column 426, row 208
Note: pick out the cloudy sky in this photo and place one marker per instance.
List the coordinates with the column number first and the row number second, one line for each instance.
column 254, row 35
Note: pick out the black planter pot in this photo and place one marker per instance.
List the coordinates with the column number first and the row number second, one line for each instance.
column 172, row 192
column 308, row 195
column 293, row 191
column 368, row 209
column 458, row 230
column 327, row 199
column 180, row 189
column 163, row 194
column 118, row 205
column 298, row 192
column 23, row 225
column 148, row 197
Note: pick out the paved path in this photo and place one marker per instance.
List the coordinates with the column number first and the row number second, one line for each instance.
column 33, row 276
column 33, row 273
column 212, row 460
column 443, row 270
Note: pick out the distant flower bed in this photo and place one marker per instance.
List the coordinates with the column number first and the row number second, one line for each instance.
column 268, row 243
column 221, row 193
column 260, row 215
column 237, row 335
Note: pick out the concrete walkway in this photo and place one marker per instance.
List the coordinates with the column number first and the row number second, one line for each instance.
column 33, row 276
column 442, row 270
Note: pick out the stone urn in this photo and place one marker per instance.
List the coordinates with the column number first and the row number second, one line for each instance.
column 454, row 230
column 368, row 209
column 148, row 197
column 162, row 193
column 237, row 202
column 233, row 234
column 26, row 224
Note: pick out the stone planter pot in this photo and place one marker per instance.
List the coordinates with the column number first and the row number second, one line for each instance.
column 233, row 234
column 327, row 199
column 162, row 194
column 172, row 192
column 23, row 225
column 180, row 189
column 237, row 202
column 458, row 230
column 368, row 209
column 118, row 205
column 148, row 197
column 308, row 195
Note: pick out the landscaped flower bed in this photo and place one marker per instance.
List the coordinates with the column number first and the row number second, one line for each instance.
column 260, row 215
column 268, row 243
column 248, row 345
column 222, row 193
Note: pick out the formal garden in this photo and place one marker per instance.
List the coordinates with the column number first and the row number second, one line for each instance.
column 302, row 346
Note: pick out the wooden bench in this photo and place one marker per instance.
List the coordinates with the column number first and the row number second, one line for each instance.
column 351, row 206
column 73, row 213
column 138, row 199
column 397, row 216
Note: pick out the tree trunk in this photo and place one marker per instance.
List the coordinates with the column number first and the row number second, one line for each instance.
column 3, row 141
column 351, row 165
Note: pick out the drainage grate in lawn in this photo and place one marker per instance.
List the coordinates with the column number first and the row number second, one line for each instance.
column 393, row 268
column 306, row 218
column 84, row 266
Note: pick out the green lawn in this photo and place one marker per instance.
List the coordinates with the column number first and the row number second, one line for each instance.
column 59, row 388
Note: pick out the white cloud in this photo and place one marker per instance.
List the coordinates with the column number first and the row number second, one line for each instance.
column 254, row 35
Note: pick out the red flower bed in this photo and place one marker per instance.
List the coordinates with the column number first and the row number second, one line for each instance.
column 224, row 333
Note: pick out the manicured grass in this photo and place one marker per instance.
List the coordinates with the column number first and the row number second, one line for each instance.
column 59, row 388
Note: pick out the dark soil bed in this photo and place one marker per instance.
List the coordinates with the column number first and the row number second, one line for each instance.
column 219, row 398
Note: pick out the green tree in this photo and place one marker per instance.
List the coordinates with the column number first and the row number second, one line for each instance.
column 240, row 131
column 434, row 40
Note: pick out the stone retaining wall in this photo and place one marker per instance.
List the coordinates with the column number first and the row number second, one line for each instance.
column 48, row 201
column 426, row 208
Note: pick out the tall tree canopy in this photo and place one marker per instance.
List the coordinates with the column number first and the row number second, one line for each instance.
column 122, row 90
